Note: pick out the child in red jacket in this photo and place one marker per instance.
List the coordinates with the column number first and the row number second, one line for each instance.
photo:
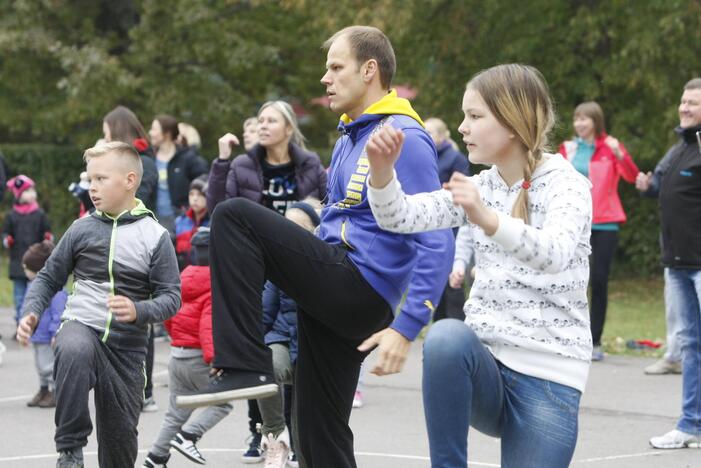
column 191, row 353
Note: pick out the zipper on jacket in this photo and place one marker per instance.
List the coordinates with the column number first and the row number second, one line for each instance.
column 110, row 261
column 343, row 235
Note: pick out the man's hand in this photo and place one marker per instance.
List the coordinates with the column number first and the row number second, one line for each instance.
column 465, row 194
column 226, row 144
column 383, row 150
column 122, row 308
column 26, row 327
column 643, row 181
column 393, row 349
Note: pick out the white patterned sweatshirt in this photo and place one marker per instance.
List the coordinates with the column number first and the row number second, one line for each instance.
column 528, row 303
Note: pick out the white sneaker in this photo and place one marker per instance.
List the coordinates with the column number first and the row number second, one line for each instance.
column 149, row 406
column 276, row 449
column 676, row 439
column 663, row 367
column 2, row 350
column 187, row 448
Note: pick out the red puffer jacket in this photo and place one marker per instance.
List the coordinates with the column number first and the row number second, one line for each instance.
column 191, row 327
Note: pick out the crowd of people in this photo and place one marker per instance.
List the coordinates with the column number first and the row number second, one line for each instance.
column 391, row 233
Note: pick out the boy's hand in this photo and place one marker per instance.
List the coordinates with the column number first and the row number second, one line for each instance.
column 393, row 348
column 383, row 150
column 122, row 308
column 26, row 327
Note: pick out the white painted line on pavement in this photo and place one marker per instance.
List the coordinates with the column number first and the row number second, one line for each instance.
column 649, row 453
column 15, row 398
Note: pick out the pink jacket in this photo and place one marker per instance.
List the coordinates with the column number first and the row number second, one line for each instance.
column 605, row 170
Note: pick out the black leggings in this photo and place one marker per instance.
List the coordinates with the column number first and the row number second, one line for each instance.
column 603, row 247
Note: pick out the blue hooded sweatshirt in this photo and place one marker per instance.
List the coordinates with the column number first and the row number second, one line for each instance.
column 393, row 264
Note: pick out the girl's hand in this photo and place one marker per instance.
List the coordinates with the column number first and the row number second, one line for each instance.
column 466, row 195
column 457, row 277
column 383, row 150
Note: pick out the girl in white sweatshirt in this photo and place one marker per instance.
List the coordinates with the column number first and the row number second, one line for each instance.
column 516, row 367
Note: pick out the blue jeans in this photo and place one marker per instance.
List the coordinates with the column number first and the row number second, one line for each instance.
column 685, row 295
column 463, row 386
column 674, row 323
column 19, row 290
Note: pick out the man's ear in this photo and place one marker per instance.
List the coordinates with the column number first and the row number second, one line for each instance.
column 369, row 70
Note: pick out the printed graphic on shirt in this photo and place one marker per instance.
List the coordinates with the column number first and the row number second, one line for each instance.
column 279, row 186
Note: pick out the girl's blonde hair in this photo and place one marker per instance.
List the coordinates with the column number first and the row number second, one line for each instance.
column 518, row 96
column 290, row 118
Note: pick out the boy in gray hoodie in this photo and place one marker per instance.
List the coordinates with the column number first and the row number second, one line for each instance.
column 125, row 277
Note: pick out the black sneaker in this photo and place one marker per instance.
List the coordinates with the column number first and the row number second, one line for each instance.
column 255, row 453
column 70, row 459
column 154, row 461
column 227, row 385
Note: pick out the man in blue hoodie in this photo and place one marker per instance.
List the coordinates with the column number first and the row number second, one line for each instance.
column 347, row 281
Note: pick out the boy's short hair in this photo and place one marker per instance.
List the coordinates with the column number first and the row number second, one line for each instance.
column 36, row 256
column 126, row 153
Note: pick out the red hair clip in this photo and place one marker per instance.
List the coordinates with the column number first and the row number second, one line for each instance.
column 526, row 184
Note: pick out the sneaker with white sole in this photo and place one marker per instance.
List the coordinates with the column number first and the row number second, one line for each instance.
column 276, row 449
column 70, row 459
column 230, row 384
column 676, row 439
column 664, row 367
column 292, row 461
column 149, row 405
column 154, row 461
column 188, row 448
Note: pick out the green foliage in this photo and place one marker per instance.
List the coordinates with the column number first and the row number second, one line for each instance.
column 64, row 64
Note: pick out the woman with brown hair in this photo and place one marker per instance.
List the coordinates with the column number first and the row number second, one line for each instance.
column 177, row 167
column 121, row 124
column 604, row 160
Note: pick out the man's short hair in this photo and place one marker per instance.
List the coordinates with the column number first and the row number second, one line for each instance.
column 368, row 43
column 693, row 84
column 124, row 151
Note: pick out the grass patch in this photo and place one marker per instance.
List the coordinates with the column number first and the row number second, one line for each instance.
column 636, row 311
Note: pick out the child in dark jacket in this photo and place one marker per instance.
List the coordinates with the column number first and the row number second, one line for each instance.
column 25, row 225
column 191, row 352
column 43, row 339
column 186, row 225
